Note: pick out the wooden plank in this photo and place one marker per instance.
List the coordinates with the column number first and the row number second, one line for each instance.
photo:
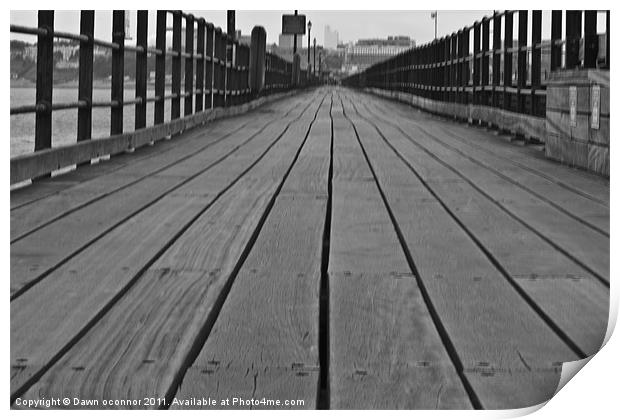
column 29, row 259
column 586, row 246
column 565, row 292
column 164, row 314
column 28, row 218
column 469, row 295
column 578, row 207
column 385, row 350
column 279, row 285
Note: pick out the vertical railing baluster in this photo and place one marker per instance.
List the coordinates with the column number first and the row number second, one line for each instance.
column 573, row 38
column 607, row 35
column 217, row 73
column 85, row 84
column 459, row 66
column 453, row 67
column 536, row 57
column 522, row 61
column 446, row 67
column 484, row 60
column 508, row 45
column 465, row 68
column 477, row 61
column 189, row 65
column 556, row 37
column 175, row 111
column 141, row 67
column 45, row 80
column 200, row 64
column 209, row 74
column 590, row 44
column 118, row 71
column 160, row 67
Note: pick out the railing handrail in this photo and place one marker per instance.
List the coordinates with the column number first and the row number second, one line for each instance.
column 450, row 69
column 220, row 77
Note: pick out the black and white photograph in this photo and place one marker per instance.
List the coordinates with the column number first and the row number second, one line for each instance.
column 307, row 209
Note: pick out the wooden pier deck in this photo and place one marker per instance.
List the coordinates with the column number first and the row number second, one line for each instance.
column 330, row 247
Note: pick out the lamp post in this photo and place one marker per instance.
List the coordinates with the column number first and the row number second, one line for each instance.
column 314, row 58
column 309, row 29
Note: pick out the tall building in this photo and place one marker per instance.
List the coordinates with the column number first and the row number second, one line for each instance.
column 331, row 38
column 285, row 41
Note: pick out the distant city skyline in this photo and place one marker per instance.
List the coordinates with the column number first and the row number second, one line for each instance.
column 351, row 25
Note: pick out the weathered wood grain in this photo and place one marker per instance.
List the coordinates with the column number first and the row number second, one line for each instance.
column 580, row 208
column 151, row 331
column 588, row 246
column 486, row 320
column 276, row 334
column 385, row 350
column 193, row 147
column 581, row 312
column 32, row 256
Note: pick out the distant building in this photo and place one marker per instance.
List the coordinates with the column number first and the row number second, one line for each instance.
column 366, row 52
column 331, row 38
column 285, row 41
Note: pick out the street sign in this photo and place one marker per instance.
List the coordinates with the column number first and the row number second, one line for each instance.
column 596, row 106
column 294, row 24
column 572, row 103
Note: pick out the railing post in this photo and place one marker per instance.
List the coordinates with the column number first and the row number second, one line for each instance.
column 477, row 62
column 508, row 45
column 607, row 35
column 453, row 67
column 217, row 71
column 118, row 71
column 446, row 68
column 85, row 84
column 497, row 41
column 200, row 65
column 175, row 110
column 45, row 79
column 465, row 66
column 484, row 61
column 189, row 65
column 573, row 38
column 459, row 66
column 590, row 42
column 141, row 67
column 556, row 37
column 536, row 57
column 522, row 61
column 160, row 67
column 209, row 73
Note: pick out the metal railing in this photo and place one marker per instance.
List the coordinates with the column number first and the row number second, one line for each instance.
column 507, row 75
column 216, row 73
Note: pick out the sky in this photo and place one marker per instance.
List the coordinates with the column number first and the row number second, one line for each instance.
column 351, row 24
